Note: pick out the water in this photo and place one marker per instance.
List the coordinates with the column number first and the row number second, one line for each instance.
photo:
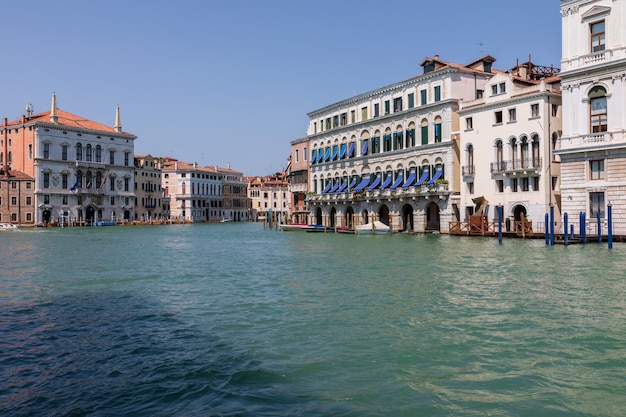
column 233, row 320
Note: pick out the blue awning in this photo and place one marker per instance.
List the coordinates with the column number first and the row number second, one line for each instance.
column 351, row 150
column 325, row 190
column 343, row 187
column 397, row 183
column 313, row 155
column 364, row 151
column 335, row 152
column 327, row 155
column 342, row 152
column 362, row 185
column 435, row 177
column 409, row 180
column 386, row 183
column 335, row 187
column 375, row 184
column 320, row 155
column 352, row 184
column 423, row 178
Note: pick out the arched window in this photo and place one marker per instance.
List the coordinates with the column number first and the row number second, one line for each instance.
column 470, row 156
column 514, row 154
column 438, row 133
column 99, row 179
column 424, row 132
column 597, row 110
column 500, row 155
column 536, row 157
column 79, row 152
column 88, row 153
column 98, row 153
column 524, row 152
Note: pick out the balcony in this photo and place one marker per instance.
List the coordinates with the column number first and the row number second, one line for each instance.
column 468, row 172
column 90, row 164
column 591, row 140
column 515, row 166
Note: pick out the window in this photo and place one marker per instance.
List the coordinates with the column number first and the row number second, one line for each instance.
column 46, row 199
column 64, row 181
column 424, row 132
column 514, row 185
column 14, row 201
column 46, row 151
column 470, row 187
column 297, row 156
column 126, row 184
column 525, row 183
column 555, row 110
column 596, row 204
column 112, row 185
column 500, row 186
column 469, row 123
column 327, row 123
column 344, row 119
column 535, row 183
column 411, row 99
column 438, row 93
column 438, row 134
column 597, row 37
column 598, row 110
column 46, row 180
column 112, row 157
column 534, row 110
column 596, row 169
column 397, row 104
column 498, row 117
column 479, row 94
column 376, row 109
column 335, row 121
column 494, row 89
column 29, row 201
column 352, row 116
column 363, row 113
column 79, row 152
column 422, row 97
column 88, row 153
column 502, row 88
column 65, row 200
column 512, row 115
column 126, row 158
column 387, row 107
column 64, row 152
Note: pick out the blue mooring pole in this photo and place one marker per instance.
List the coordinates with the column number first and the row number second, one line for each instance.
column 551, row 225
column 547, row 229
column 571, row 231
column 599, row 227
column 610, row 225
column 500, row 224
column 584, row 227
column 565, row 229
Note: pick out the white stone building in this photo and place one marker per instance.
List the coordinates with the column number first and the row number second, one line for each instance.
column 506, row 146
column 83, row 170
column 592, row 149
column 392, row 154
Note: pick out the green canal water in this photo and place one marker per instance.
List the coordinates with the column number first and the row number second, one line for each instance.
column 234, row 320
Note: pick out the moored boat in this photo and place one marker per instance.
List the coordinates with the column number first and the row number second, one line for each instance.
column 7, row 227
column 375, row 228
column 295, row 227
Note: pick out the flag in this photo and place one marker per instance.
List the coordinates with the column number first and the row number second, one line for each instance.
column 77, row 183
column 104, row 181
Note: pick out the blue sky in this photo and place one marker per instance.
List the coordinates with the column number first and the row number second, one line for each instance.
column 218, row 82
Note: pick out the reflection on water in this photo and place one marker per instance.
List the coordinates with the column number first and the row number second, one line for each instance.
column 232, row 319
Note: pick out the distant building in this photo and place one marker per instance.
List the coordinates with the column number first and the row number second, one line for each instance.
column 148, row 191
column 298, row 178
column 507, row 137
column 82, row 170
column 17, row 198
column 592, row 148
column 236, row 203
column 269, row 195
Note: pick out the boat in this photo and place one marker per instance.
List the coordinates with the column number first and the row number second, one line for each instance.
column 7, row 227
column 318, row 228
column 375, row 228
column 109, row 223
column 344, row 230
column 226, row 220
column 295, row 227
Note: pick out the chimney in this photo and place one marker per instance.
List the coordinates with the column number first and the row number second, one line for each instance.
column 436, row 57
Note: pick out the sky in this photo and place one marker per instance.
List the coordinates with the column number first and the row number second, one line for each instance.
column 232, row 81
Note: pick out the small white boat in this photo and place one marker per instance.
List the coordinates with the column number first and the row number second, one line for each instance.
column 375, row 228
column 226, row 220
column 7, row 226
column 295, row 227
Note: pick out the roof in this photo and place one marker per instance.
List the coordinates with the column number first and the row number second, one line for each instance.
column 69, row 120
column 14, row 175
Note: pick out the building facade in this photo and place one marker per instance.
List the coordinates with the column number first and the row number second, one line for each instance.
column 17, row 198
column 507, row 137
column 392, row 154
column 236, row 203
column 148, row 191
column 83, row 170
column 298, row 178
column 592, row 149
column 269, row 197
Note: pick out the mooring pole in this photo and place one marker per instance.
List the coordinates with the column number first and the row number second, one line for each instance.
column 500, row 224
column 610, row 225
column 551, row 224
column 565, row 229
column 547, row 229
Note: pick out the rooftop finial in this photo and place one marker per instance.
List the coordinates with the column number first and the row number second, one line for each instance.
column 118, row 121
column 53, row 110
